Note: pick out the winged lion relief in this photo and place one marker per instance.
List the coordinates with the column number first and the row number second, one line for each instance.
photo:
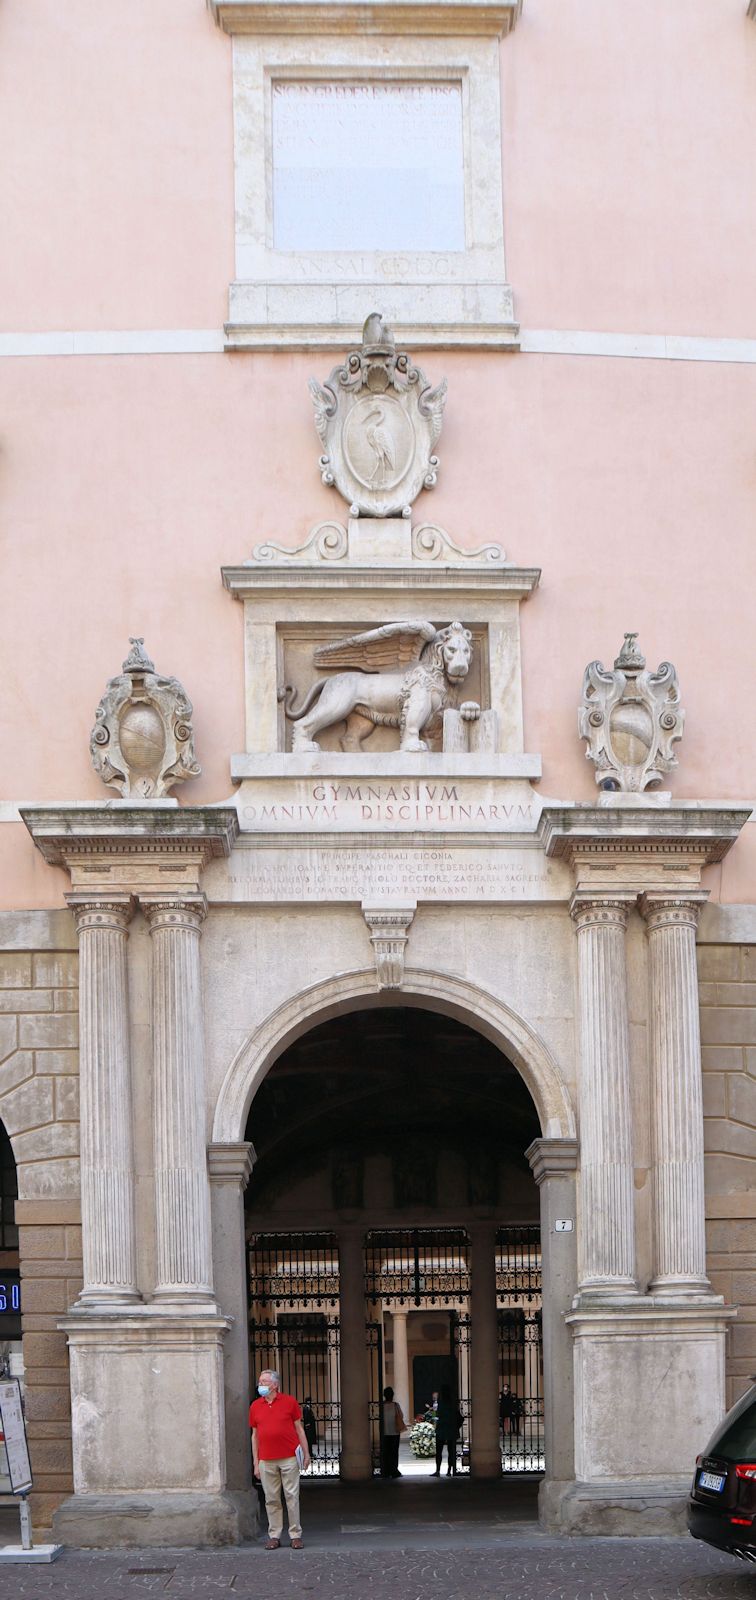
column 402, row 675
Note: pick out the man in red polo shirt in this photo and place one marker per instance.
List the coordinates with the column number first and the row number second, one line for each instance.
column 276, row 1423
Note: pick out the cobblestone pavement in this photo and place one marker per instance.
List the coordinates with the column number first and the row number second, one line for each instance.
column 509, row 1566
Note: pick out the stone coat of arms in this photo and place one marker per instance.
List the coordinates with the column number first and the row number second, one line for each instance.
column 379, row 421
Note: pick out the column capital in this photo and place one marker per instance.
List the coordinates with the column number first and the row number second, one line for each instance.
column 664, row 910
column 175, row 911
column 231, row 1163
column 552, row 1158
column 105, row 909
column 591, row 909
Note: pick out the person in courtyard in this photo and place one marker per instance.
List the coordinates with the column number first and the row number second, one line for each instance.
column 394, row 1426
column 506, row 1409
column 310, row 1425
column 448, row 1423
column 277, row 1430
column 517, row 1414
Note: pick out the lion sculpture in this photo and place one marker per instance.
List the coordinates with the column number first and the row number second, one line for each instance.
column 427, row 663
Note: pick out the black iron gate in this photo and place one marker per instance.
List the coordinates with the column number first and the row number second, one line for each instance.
column 294, row 1329
column 520, row 1347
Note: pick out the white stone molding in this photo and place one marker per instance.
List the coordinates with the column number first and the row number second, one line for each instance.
column 142, row 742
column 107, row 1157
column 435, row 17
column 182, row 1195
column 552, row 1158
column 353, row 991
column 387, row 925
column 607, row 1233
column 641, row 843
column 630, row 719
column 443, row 288
column 432, row 543
column 231, row 1163
column 678, row 1128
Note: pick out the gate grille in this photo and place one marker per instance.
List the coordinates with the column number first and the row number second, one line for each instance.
column 294, row 1328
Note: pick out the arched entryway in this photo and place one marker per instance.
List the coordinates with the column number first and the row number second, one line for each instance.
column 341, row 1094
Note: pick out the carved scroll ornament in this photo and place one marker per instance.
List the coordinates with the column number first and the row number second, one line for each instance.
column 630, row 719
column 142, row 742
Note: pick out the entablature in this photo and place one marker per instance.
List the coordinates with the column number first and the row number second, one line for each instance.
column 439, row 17
column 144, row 847
column 640, row 848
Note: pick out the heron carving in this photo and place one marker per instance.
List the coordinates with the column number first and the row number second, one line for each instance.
column 382, row 445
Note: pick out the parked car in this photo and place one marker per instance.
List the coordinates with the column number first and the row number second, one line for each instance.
column 722, row 1504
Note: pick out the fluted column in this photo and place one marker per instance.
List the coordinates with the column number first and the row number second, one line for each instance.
column 680, row 1240
column 182, row 1193
column 606, row 1244
column 107, row 1162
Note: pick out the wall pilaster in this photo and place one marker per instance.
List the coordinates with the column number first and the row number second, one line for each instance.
column 607, row 1234
column 183, row 1270
column 107, row 1157
column 677, row 1100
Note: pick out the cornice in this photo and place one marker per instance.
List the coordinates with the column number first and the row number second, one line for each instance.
column 503, row 583
column 490, row 18
column 64, row 831
column 688, row 829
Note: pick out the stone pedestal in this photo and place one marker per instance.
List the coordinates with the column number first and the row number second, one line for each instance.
column 485, row 1450
column 649, row 1390
column 230, row 1168
column 679, row 1211
column 141, row 1475
column 606, row 1244
column 553, row 1163
column 355, row 1461
column 107, row 1161
column 401, row 1362
column 182, row 1196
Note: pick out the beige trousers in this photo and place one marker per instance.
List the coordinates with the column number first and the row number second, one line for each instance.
column 275, row 1476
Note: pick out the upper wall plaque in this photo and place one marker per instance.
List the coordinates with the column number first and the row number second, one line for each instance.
column 378, row 420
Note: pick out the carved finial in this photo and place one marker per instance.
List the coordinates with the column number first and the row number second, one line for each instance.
column 137, row 659
column 142, row 742
column 630, row 719
column 377, row 338
column 630, row 661
column 378, row 420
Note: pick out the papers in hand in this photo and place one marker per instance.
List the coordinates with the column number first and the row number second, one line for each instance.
column 299, row 1453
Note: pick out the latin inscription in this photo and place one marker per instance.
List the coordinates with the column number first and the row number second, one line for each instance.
column 401, row 804
column 352, row 874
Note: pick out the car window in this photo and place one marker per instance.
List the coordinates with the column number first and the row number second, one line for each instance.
column 735, row 1438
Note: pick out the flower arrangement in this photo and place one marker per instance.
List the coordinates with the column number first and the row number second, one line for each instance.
column 423, row 1440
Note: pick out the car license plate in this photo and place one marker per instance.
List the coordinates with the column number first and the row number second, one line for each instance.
column 712, row 1480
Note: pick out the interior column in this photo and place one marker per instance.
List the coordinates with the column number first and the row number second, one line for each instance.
column 485, row 1451
column 401, row 1360
column 606, row 1242
column 355, row 1460
column 107, row 1160
column 677, row 1102
column 182, row 1192
column 553, row 1163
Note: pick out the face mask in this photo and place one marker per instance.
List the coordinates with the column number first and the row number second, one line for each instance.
column 263, row 1388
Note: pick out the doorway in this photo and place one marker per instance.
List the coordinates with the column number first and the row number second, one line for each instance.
column 401, row 1131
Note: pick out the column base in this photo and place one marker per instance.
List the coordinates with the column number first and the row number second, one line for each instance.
column 611, row 1508
column 103, row 1521
column 681, row 1289
column 486, row 1467
column 355, row 1471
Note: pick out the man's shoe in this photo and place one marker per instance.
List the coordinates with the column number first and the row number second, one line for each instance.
column 297, row 1544
column 272, row 1544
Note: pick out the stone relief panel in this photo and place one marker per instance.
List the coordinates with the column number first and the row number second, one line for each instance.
column 630, row 719
column 400, row 680
column 142, row 742
column 378, row 420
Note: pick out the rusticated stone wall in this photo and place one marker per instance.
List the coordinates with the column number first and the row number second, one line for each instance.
column 39, row 1106
column 727, row 988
